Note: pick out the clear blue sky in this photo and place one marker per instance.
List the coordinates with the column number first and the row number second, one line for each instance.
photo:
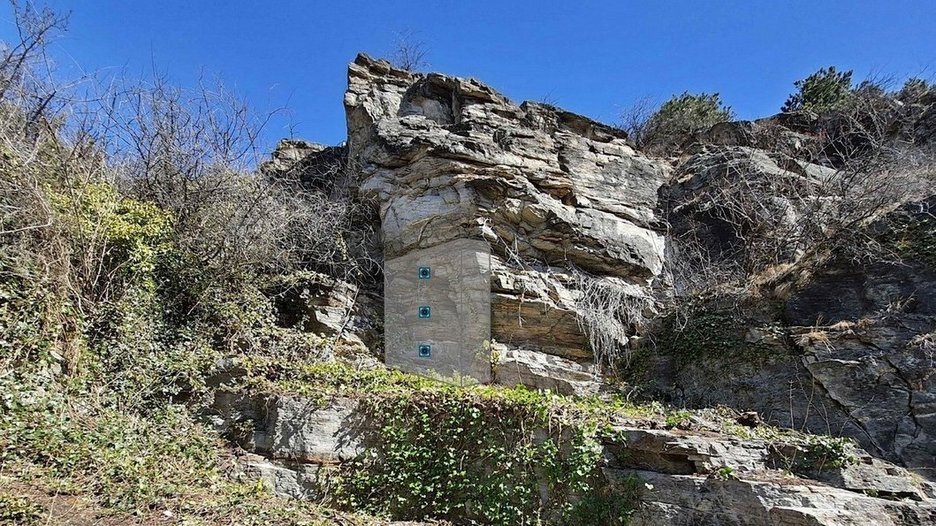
column 590, row 57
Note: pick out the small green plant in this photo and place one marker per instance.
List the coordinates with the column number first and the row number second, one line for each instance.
column 678, row 418
column 724, row 473
column 681, row 117
column 822, row 91
column 20, row 510
column 610, row 505
column 826, row 452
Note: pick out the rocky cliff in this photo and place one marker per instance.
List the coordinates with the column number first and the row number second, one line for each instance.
column 555, row 195
column 585, row 234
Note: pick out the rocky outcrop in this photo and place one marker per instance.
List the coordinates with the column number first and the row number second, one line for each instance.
column 684, row 477
column 450, row 158
column 847, row 349
column 347, row 316
column 694, row 499
column 543, row 371
column 849, row 352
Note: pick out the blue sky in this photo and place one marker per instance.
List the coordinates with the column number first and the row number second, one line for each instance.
column 593, row 58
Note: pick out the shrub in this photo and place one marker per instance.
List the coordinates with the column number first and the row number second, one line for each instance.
column 681, row 117
column 124, row 235
column 913, row 90
column 634, row 119
column 821, row 91
column 610, row 311
column 825, row 452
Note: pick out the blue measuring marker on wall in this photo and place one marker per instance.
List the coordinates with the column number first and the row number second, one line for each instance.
column 424, row 350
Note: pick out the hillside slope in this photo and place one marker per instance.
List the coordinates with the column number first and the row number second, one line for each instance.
column 740, row 332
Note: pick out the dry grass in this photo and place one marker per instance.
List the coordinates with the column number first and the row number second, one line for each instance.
column 815, row 336
column 842, row 326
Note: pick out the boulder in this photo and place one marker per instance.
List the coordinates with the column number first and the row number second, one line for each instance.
column 543, row 371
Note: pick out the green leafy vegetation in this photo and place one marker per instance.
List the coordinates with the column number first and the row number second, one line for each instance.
column 824, row 90
column 677, row 419
column 724, row 473
column 678, row 119
column 20, row 510
column 826, row 452
column 131, row 262
column 162, row 463
column 480, row 456
column 913, row 89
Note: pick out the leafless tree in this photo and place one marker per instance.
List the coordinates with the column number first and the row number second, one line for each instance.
column 194, row 153
column 410, row 53
column 27, row 101
column 25, row 67
column 197, row 153
column 634, row 119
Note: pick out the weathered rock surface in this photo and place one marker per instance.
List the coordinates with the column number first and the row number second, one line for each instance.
column 451, row 158
column 849, row 351
column 695, row 499
column 315, row 165
column 332, row 308
column 543, row 371
column 728, row 200
column 535, row 309
column 873, row 384
column 686, row 478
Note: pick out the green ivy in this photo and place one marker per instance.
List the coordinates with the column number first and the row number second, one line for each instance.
column 20, row 510
column 480, row 458
column 28, row 312
column 132, row 235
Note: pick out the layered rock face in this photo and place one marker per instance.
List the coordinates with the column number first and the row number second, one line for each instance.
column 550, row 191
column 556, row 196
column 846, row 349
column 298, row 445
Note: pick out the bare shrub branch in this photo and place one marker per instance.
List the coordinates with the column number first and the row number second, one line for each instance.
column 635, row 118
column 751, row 218
column 410, row 53
column 609, row 312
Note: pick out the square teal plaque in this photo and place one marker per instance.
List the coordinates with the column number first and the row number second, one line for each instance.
column 424, row 350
